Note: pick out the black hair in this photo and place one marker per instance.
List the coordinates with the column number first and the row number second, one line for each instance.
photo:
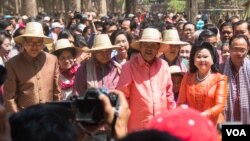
column 133, row 25
column 150, row 135
column 72, row 50
column 205, row 34
column 116, row 33
column 211, row 27
column 185, row 24
column 240, row 23
column 64, row 34
column 214, row 54
column 225, row 43
column 43, row 122
column 226, row 24
column 3, row 35
column 18, row 32
column 239, row 36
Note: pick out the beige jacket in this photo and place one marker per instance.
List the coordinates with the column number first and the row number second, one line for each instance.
column 30, row 81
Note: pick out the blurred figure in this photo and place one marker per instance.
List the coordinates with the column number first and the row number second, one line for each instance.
column 186, row 124
column 241, row 27
column 48, row 122
column 3, row 76
column 176, row 76
column 150, row 135
column 185, row 51
column 5, row 47
column 225, row 51
column 188, row 32
column 226, row 31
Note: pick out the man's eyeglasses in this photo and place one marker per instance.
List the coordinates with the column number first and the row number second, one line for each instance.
column 29, row 43
column 236, row 49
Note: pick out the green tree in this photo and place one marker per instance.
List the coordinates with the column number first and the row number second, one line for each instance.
column 177, row 5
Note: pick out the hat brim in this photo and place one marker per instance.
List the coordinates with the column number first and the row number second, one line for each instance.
column 165, row 45
column 101, row 48
column 178, row 73
column 175, row 42
column 20, row 39
column 77, row 49
column 136, row 44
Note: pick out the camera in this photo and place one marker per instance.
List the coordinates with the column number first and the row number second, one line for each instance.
column 88, row 109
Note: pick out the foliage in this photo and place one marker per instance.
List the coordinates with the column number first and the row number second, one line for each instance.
column 176, row 5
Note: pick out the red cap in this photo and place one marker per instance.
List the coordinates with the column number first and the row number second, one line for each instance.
column 186, row 124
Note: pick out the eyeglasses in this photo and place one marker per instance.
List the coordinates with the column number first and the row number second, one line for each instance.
column 29, row 43
column 236, row 49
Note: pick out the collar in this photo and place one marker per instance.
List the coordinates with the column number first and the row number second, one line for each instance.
column 108, row 65
column 40, row 57
column 142, row 62
column 233, row 67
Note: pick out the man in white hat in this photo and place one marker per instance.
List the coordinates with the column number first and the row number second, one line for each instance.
column 170, row 47
column 146, row 82
column 100, row 71
column 33, row 74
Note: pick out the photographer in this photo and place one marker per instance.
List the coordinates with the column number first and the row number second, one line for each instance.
column 54, row 123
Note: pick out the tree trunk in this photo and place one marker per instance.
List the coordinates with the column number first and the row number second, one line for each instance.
column 206, row 4
column 191, row 10
column 30, row 8
column 89, row 5
column 102, row 8
column 75, row 5
column 16, row 6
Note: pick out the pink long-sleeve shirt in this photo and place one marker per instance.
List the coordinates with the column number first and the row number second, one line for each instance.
column 148, row 89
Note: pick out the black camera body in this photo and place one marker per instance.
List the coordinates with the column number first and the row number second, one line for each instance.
column 88, row 109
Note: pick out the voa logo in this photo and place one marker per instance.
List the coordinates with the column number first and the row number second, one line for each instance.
column 236, row 132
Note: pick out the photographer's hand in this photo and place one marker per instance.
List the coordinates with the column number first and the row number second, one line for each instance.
column 123, row 113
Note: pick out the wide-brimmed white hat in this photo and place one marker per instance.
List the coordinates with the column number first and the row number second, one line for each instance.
column 33, row 29
column 56, row 24
column 102, row 42
column 171, row 37
column 62, row 44
column 148, row 35
column 175, row 69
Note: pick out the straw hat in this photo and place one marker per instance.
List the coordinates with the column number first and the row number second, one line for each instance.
column 174, row 69
column 148, row 35
column 64, row 44
column 102, row 42
column 33, row 29
column 171, row 37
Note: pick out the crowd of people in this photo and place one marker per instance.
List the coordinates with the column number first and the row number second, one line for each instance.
column 154, row 63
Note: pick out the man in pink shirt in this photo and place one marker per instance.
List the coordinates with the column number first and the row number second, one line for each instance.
column 146, row 82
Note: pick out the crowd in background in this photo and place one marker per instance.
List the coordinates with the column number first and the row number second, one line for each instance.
column 158, row 61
